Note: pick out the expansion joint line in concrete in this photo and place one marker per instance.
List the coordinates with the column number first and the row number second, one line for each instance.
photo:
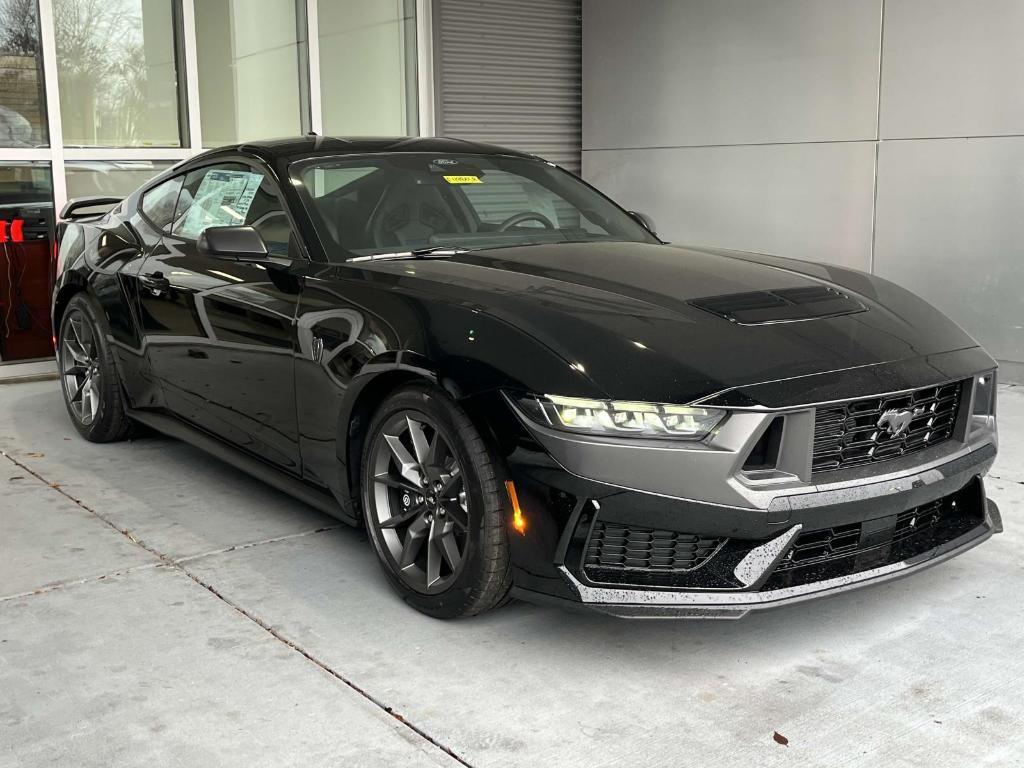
column 179, row 565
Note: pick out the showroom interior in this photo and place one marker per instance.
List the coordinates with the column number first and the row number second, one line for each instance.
column 155, row 605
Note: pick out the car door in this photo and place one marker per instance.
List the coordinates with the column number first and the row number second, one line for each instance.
column 219, row 333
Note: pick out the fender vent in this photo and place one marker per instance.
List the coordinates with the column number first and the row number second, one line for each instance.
column 780, row 305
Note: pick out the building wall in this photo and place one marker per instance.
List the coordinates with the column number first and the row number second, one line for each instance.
column 885, row 135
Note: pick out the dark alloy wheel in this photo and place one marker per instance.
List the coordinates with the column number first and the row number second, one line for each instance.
column 420, row 510
column 432, row 505
column 89, row 379
column 79, row 368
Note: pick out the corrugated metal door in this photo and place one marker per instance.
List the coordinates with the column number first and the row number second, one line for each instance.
column 508, row 72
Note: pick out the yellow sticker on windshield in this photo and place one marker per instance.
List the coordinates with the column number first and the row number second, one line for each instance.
column 463, row 179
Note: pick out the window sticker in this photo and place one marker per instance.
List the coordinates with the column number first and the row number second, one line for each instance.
column 222, row 200
column 463, row 179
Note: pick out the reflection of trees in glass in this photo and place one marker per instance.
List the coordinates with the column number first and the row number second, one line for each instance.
column 19, row 31
column 105, row 90
column 21, row 91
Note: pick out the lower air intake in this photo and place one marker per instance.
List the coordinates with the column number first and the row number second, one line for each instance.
column 629, row 548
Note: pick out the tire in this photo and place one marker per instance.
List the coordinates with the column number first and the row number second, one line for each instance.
column 471, row 516
column 90, row 383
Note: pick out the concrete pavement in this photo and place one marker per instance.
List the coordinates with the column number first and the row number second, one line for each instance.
column 157, row 605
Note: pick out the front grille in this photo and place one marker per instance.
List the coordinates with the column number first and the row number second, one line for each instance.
column 847, row 435
column 630, row 548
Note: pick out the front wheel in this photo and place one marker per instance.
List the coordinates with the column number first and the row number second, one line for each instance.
column 433, row 505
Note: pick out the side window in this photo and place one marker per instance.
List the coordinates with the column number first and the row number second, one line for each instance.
column 233, row 195
column 158, row 203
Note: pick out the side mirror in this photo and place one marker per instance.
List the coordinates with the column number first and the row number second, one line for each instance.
column 87, row 207
column 644, row 221
column 241, row 243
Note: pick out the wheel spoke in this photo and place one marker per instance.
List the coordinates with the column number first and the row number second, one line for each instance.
column 94, row 394
column 438, row 449
column 451, row 481
column 77, row 352
column 407, row 465
column 88, row 340
column 415, row 536
column 73, row 324
column 76, row 369
column 404, row 516
column 457, row 515
column 434, row 552
column 419, row 440
column 79, row 393
column 385, row 478
column 450, row 549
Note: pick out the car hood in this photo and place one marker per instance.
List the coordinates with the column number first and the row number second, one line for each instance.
column 626, row 314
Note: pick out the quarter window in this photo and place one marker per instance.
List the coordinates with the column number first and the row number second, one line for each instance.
column 158, row 203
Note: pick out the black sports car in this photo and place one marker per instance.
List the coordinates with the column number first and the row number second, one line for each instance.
column 518, row 388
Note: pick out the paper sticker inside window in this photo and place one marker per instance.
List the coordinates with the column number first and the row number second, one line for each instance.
column 222, row 200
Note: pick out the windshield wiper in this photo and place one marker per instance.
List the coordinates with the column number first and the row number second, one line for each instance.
column 433, row 252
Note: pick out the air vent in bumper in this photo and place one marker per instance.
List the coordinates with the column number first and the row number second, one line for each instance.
column 848, row 549
column 632, row 549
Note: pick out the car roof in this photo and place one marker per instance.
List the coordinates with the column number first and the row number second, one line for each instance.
column 297, row 147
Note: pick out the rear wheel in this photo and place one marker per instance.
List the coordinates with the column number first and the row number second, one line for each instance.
column 89, row 380
column 433, row 507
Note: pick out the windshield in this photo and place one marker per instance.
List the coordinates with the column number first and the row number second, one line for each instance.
column 403, row 202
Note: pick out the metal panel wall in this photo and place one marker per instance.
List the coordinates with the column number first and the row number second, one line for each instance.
column 749, row 197
column 665, row 73
column 953, row 68
column 508, row 72
column 950, row 227
column 755, row 125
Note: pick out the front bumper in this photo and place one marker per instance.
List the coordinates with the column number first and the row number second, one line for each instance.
column 897, row 518
column 646, row 603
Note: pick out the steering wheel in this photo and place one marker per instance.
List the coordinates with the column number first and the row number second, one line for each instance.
column 519, row 218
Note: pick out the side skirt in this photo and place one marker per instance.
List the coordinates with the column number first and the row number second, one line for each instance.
column 293, row 486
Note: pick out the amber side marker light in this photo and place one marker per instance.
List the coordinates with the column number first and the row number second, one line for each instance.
column 518, row 521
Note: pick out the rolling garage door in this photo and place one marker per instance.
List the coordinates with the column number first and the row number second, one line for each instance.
column 508, row 72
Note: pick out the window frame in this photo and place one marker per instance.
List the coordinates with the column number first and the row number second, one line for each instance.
column 255, row 164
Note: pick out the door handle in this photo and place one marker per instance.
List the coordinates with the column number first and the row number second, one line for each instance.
column 155, row 283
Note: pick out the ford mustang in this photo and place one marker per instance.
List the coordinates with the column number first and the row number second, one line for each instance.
column 518, row 388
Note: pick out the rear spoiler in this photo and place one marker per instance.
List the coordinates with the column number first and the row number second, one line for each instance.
column 89, row 207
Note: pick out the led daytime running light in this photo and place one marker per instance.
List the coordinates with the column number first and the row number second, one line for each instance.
column 618, row 417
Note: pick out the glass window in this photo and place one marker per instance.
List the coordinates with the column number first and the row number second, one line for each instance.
column 103, row 177
column 249, row 82
column 26, row 261
column 233, row 195
column 117, row 73
column 158, row 203
column 22, row 98
column 418, row 200
column 367, row 55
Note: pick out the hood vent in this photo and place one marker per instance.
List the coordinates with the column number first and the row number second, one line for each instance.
column 782, row 305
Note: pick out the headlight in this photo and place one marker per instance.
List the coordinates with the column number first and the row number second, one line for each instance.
column 616, row 417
